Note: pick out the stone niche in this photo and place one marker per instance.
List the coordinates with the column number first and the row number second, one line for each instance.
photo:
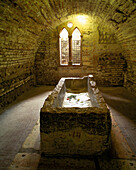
column 75, row 130
column 101, row 56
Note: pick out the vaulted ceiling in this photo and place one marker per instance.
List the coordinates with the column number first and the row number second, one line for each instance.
column 26, row 21
column 37, row 16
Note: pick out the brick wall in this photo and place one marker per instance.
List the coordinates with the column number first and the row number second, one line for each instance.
column 18, row 42
column 127, row 38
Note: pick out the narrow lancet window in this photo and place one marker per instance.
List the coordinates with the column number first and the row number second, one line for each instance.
column 76, row 47
column 64, row 47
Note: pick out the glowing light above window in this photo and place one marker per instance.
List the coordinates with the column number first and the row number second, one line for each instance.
column 70, row 24
column 81, row 19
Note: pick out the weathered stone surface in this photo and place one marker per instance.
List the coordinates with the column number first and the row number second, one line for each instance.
column 75, row 131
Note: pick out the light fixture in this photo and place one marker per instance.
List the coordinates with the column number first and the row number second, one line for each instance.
column 70, row 24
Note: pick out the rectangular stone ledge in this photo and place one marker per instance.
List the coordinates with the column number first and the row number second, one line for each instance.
column 60, row 110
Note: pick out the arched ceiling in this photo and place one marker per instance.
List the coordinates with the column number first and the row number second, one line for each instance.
column 39, row 16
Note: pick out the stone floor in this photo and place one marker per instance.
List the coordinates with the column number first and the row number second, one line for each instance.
column 17, row 121
column 20, row 137
column 123, row 108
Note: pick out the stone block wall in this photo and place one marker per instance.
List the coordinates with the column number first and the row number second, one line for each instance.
column 18, row 43
column 128, row 28
column 16, row 72
column 47, row 61
column 111, row 68
column 124, row 20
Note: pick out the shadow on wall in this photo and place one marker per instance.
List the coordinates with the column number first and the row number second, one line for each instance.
column 122, row 102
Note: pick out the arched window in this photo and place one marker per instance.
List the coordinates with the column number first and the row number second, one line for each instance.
column 64, row 47
column 76, row 47
column 70, row 47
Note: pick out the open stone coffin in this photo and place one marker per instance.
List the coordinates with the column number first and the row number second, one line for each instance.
column 78, row 129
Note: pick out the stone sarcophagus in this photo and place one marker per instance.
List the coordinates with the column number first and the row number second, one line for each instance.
column 74, row 119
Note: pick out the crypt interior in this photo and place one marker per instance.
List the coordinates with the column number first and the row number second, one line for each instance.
column 42, row 41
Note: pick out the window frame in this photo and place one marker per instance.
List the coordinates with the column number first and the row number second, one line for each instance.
column 60, row 56
column 70, row 48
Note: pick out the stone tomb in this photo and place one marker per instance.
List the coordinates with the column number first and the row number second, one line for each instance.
column 81, row 129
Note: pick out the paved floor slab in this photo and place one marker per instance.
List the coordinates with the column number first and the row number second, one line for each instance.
column 123, row 107
column 20, row 134
column 18, row 120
